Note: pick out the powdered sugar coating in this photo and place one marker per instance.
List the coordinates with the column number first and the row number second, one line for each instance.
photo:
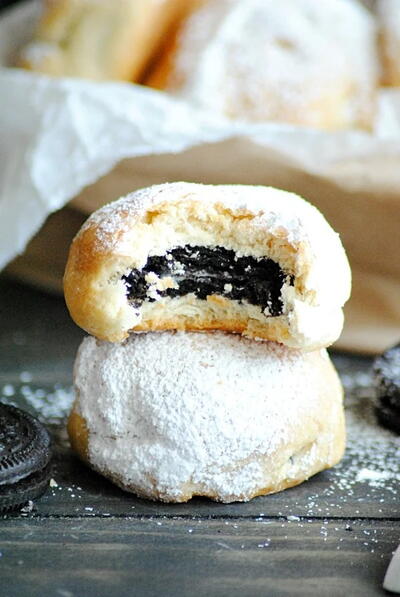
column 164, row 410
column 296, row 60
column 274, row 211
column 274, row 208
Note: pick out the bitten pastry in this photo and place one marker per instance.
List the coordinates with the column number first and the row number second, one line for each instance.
column 100, row 39
column 304, row 62
column 389, row 37
column 173, row 415
column 252, row 260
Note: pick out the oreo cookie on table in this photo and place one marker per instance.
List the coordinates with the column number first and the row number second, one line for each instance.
column 25, row 454
column 387, row 384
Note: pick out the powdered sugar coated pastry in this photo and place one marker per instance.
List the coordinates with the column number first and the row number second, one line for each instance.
column 389, row 37
column 171, row 415
column 251, row 260
column 100, row 39
column 304, row 62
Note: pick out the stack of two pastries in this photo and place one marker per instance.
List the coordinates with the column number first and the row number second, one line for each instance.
column 210, row 308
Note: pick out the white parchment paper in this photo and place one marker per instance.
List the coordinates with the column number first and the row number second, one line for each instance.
column 82, row 142
column 60, row 135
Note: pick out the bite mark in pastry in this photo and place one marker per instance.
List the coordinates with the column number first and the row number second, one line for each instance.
column 252, row 260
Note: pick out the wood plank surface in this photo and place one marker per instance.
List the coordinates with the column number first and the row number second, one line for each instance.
column 81, row 492
column 333, row 535
column 197, row 556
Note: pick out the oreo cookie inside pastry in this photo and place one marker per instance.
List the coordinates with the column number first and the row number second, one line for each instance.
column 387, row 384
column 172, row 415
column 252, row 260
column 25, row 454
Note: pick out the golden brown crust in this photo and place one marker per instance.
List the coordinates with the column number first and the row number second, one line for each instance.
column 273, row 330
column 159, row 74
column 389, row 41
column 79, row 438
column 78, row 435
column 390, row 67
column 100, row 39
column 109, row 246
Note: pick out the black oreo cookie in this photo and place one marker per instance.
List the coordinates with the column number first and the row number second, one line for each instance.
column 212, row 270
column 25, row 454
column 387, row 383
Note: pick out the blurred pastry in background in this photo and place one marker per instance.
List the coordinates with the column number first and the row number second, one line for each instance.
column 389, row 36
column 302, row 62
column 100, row 39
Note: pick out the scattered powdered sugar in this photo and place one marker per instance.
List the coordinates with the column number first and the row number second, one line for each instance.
column 373, row 453
column 368, row 474
column 50, row 405
column 373, row 477
column 169, row 409
column 370, row 470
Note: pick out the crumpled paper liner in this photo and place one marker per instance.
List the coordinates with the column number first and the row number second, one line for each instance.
column 86, row 143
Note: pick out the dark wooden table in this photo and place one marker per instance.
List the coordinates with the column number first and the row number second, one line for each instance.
column 333, row 535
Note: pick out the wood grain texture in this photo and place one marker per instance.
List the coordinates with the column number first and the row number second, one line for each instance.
column 193, row 556
column 86, row 537
column 81, row 492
